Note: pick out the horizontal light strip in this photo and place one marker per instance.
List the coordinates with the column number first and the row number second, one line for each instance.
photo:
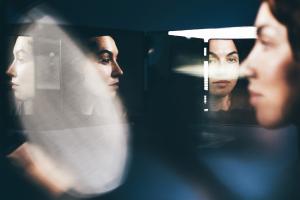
column 206, row 34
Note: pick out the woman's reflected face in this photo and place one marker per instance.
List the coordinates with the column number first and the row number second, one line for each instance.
column 223, row 67
column 22, row 69
column 267, row 65
column 106, row 59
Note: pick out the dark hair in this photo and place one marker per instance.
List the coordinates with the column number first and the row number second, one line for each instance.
column 288, row 13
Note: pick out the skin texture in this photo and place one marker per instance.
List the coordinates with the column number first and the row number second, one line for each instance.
column 36, row 163
column 223, row 72
column 22, row 69
column 267, row 67
column 21, row 72
column 40, row 169
column 106, row 62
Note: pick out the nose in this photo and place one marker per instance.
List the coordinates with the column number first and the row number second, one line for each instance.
column 247, row 67
column 220, row 69
column 245, row 70
column 116, row 71
column 11, row 71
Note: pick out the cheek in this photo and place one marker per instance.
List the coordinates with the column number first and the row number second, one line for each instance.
column 211, row 86
column 105, row 71
column 26, row 80
column 232, row 71
column 276, row 91
column 271, row 115
column 25, row 74
column 224, row 72
column 231, row 86
column 277, row 83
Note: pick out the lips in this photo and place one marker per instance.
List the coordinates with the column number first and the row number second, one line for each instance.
column 13, row 85
column 114, row 85
column 255, row 97
column 221, row 83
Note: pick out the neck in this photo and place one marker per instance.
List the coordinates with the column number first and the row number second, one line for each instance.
column 219, row 103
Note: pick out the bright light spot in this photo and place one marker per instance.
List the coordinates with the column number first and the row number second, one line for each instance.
column 226, row 33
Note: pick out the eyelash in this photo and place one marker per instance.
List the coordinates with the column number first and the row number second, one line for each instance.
column 266, row 45
column 212, row 60
column 21, row 60
column 104, row 61
column 232, row 60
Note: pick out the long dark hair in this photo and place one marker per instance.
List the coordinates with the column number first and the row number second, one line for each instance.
column 288, row 13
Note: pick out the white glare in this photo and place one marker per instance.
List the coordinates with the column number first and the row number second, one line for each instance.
column 79, row 136
column 246, row 32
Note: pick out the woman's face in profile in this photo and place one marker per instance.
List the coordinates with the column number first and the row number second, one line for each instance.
column 22, row 69
column 223, row 67
column 267, row 67
column 106, row 62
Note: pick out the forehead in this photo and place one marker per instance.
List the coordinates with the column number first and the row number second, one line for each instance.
column 266, row 18
column 106, row 43
column 23, row 43
column 222, row 47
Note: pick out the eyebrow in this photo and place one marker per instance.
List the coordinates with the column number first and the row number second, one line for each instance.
column 229, row 54
column 233, row 52
column 21, row 51
column 260, row 30
column 103, row 51
column 213, row 54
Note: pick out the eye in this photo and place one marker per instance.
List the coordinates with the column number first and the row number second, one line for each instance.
column 212, row 60
column 232, row 60
column 20, row 58
column 266, row 44
column 104, row 61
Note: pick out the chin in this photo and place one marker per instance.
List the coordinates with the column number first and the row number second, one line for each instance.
column 20, row 97
column 113, row 93
column 271, row 121
column 220, row 94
